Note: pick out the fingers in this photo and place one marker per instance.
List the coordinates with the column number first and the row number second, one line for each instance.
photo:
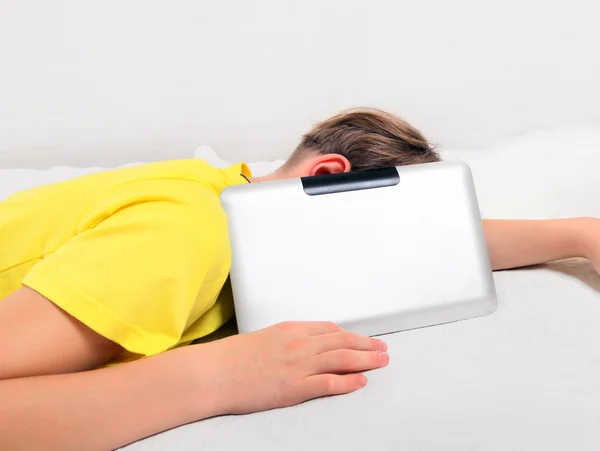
column 309, row 327
column 347, row 340
column 349, row 361
column 332, row 384
column 322, row 328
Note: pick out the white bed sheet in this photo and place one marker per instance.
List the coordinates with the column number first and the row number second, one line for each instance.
column 526, row 377
column 14, row 180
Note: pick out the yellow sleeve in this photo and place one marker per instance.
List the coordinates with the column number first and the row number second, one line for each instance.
column 149, row 258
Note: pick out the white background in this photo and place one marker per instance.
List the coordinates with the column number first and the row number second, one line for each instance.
column 109, row 82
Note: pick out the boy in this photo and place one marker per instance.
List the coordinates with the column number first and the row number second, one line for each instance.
column 104, row 279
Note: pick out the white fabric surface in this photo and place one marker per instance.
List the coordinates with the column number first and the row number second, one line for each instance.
column 14, row 180
column 525, row 378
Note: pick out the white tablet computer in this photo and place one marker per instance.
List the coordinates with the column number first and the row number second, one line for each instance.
column 376, row 251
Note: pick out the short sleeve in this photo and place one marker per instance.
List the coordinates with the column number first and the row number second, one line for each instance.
column 147, row 259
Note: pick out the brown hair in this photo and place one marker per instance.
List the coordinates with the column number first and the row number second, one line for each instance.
column 369, row 139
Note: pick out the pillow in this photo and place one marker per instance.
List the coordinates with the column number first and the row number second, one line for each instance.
column 542, row 174
column 15, row 180
column 258, row 168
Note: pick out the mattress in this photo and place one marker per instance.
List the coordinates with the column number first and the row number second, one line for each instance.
column 526, row 377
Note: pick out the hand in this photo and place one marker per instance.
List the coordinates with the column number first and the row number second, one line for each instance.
column 287, row 364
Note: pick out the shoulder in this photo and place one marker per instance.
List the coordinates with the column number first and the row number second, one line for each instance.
column 166, row 203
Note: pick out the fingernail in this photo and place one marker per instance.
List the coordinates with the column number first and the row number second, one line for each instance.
column 384, row 359
column 361, row 380
column 382, row 346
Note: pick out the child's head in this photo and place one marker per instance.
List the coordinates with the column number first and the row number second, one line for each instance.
column 356, row 140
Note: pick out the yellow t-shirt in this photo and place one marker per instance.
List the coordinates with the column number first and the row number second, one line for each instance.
column 140, row 255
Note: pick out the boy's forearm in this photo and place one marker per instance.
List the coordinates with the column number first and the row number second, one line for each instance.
column 102, row 409
column 517, row 243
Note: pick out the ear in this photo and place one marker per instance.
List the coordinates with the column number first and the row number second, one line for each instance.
column 329, row 164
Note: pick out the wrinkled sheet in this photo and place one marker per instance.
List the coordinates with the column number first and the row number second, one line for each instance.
column 525, row 378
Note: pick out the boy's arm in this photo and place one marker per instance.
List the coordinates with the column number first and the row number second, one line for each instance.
column 32, row 329
column 102, row 409
column 43, row 408
column 517, row 243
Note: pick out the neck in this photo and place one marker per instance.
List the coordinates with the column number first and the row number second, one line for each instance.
column 264, row 178
column 277, row 175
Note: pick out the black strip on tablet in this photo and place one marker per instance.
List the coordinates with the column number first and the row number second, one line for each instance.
column 350, row 181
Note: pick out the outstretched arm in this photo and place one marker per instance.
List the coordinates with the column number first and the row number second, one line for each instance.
column 102, row 409
column 51, row 398
column 518, row 243
column 44, row 407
